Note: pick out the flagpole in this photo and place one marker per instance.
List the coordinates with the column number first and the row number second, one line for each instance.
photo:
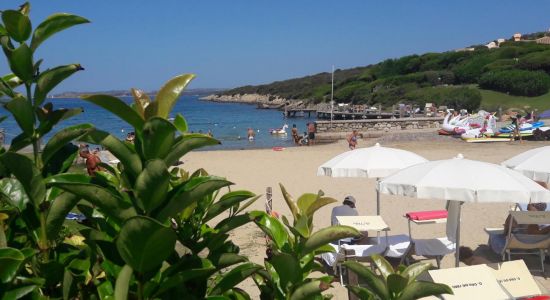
column 332, row 97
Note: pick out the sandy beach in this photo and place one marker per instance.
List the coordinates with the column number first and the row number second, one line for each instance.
column 296, row 168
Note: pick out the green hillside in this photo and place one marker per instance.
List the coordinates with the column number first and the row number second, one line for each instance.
column 492, row 100
column 451, row 78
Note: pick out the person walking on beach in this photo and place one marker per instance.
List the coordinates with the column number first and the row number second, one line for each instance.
column 250, row 134
column 516, row 123
column 352, row 139
column 311, row 133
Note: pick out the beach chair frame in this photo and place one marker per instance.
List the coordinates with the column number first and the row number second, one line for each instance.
column 514, row 246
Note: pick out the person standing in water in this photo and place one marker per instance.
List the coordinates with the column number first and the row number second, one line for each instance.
column 311, row 133
column 250, row 134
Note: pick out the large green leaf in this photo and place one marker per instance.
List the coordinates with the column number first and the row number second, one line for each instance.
column 53, row 24
column 117, row 107
column 327, row 235
column 305, row 201
column 374, row 283
column 25, row 171
column 18, row 293
column 61, row 161
column 19, row 142
column 152, row 185
column 23, row 113
column 167, row 96
column 144, row 243
column 290, row 202
column 226, row 201
column 13, row 192
column 62, row 137
column 127, row 156
column 382, row 265
column 17, row 24
column 186, row 143
column 272, row 227
column 234, row 277
column 307, row 291
column 322, row 201
column 19, row 59
column 122, row 284
column 302, row 226
column 59, row 209
column 229, row 224
column 10, row 260
column 111, row 204
column 362, row 293
column 414, row 270
column 141, row 101
column 421, row 289
column 181, row 123
column 190, row 192
column 396, row 284
column 50, row 78
column 288, row 268
column 51, row 119
column 158, row 136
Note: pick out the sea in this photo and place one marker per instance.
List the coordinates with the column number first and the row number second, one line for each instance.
column 228, row 122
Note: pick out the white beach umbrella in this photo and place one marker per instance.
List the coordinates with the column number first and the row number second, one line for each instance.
column 534, row 163
column 463, row 180
column 372, row 162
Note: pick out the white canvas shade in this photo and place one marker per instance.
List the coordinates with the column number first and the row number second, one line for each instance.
column 463, row 180
column 534, row 163
column 372, row 162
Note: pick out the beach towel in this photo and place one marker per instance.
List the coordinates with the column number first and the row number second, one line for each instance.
column 427, row 215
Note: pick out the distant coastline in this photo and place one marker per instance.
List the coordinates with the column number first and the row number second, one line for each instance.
column 127, row 93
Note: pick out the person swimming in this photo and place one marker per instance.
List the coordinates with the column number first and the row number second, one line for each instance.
column 251, row 134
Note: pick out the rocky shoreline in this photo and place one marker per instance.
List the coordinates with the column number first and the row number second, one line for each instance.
column 263, row 101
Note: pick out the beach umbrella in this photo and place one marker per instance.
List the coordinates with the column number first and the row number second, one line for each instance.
column 463, row 180
column 372, row 162
column 534, row 163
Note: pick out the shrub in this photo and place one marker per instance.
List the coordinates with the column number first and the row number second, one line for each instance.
column 516, row 82
column 454, row 97
column 470, row 71
column 535, row 61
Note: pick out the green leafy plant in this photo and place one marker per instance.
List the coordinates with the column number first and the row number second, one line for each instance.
column 157, row 229
column 393, row 285
column 288, row 268
column 31, row 253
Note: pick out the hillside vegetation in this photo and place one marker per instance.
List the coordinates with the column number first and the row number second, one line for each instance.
column 449, row 78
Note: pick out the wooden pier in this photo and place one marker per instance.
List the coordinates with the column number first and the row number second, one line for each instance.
column 300, row 112
column 336, row 115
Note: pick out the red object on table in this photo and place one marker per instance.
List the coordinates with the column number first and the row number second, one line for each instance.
column 427, row 215
column 538, row 298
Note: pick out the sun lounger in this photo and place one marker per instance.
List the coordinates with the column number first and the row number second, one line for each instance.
column 517, row 241
column 471, row 282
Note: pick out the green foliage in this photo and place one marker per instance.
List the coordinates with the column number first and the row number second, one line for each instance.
column 517, row 82
column 393, row 285
column 453, row 97
column 290, row 261
column 390, row 81
column 33, row 255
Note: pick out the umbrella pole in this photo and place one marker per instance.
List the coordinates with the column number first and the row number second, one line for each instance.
column 457, row 242
column 377, row 196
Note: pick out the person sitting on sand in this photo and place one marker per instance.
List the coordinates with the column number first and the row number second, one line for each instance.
column 352, row 139
column 92, row 162
column 467, row 256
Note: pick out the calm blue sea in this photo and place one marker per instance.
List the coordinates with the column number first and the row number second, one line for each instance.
column 227, row 121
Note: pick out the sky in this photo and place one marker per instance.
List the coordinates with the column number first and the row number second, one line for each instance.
column 227, row 44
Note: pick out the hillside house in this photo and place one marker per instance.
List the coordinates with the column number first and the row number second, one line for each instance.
column 492, row 45
column 517, row 37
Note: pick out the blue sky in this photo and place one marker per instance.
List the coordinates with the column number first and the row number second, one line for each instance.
column 232, row 43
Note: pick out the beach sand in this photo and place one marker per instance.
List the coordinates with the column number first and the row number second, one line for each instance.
column 296, row 168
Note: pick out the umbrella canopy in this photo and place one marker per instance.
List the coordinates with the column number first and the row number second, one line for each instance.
column 534, row 163
column 464, row 180
column 371, row 162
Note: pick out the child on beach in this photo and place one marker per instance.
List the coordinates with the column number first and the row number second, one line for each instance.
column 352, row 139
